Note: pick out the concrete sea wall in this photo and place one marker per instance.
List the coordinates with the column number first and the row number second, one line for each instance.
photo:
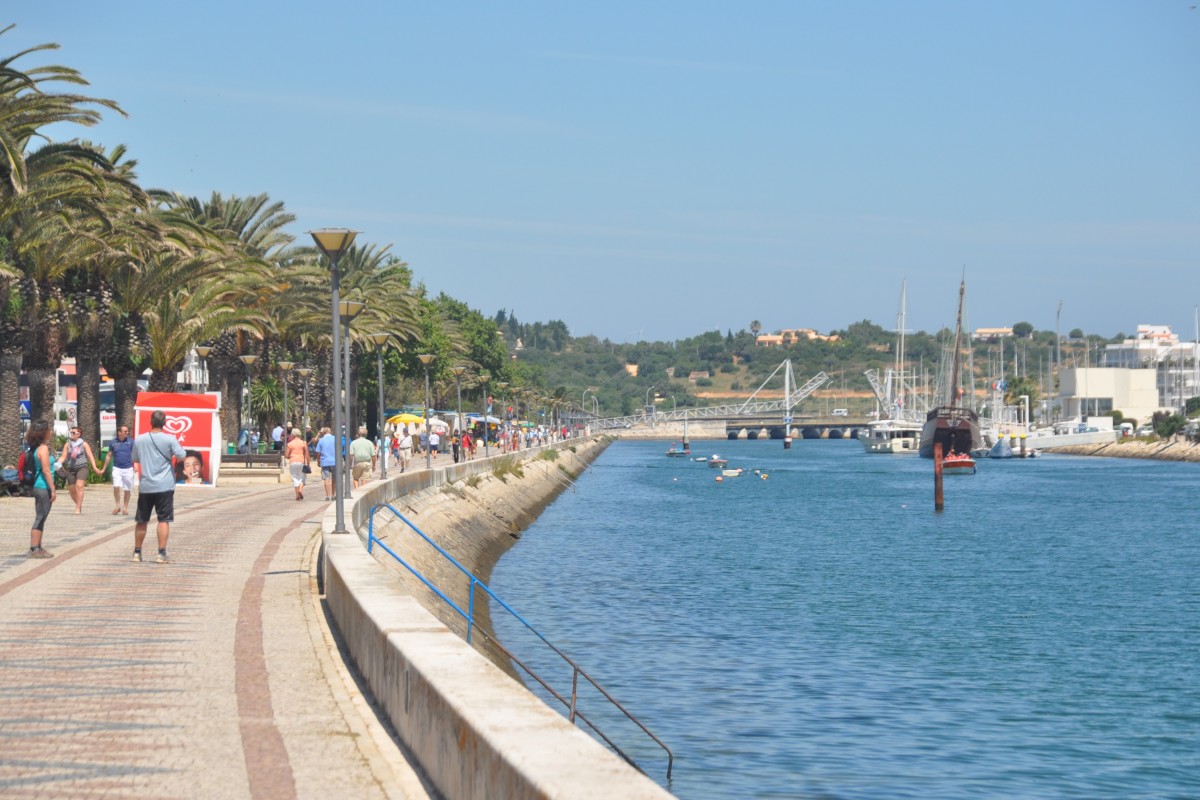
column 1136, row 448
column 476, row 732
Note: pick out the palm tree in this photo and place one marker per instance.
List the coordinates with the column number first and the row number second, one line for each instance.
column 45, row 192
column 251, row 229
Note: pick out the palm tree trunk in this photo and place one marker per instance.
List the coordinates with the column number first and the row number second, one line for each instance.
column 10, row 424
column 42, row 385
column 125, row 392
column 87, row 383
column 164, row 380
column 230, row 387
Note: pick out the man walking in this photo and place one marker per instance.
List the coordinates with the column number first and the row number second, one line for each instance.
column 153, row 450
column 326, row 456
column 362, row 452
column 406, row 449
column 120, row 455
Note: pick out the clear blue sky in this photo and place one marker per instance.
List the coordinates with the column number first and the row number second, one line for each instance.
column 654, row 170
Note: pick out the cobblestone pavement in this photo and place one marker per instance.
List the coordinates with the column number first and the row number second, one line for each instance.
column 210, row 677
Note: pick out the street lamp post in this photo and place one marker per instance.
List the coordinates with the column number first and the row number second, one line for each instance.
column 502, row 386
column 427, row 359
column 646, row 407
column 458, row 373
column 483, row 381
column 348, row 309
column 248, row 412
column 304, row 372
column 334, row 242
column 379, row 340
column 285, row 367
column 202, row 351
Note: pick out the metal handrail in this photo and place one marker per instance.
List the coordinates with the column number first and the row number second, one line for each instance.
column 469, row 615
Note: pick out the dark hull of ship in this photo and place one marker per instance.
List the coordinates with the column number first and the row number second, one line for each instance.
column 956, row 428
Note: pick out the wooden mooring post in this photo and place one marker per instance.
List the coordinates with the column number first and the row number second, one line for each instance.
column 939, row 499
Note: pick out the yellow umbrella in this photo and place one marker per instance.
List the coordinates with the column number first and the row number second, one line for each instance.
column 405, row 419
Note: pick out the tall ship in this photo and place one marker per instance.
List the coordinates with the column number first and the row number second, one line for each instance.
column 898, row 429
column 954, row 426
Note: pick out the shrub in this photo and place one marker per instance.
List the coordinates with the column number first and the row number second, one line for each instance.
column 549, row 454
column 508, row 465
column 704, row 382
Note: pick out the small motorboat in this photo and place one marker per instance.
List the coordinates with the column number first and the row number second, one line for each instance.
column 716, row 462
column 958, row 464
column 676, row 452
column 736, row 472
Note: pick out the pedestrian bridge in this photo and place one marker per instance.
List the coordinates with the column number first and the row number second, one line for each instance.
column 751, row 418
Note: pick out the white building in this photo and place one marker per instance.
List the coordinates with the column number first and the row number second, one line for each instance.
column 1091, row 391
column 1173, row 363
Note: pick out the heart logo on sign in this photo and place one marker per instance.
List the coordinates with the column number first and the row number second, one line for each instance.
column 177, row 426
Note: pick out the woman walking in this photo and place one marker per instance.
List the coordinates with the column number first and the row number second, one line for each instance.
column 296, row 453
column 77, row 458
column 37, row 439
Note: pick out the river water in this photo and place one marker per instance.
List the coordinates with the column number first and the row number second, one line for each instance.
column 823, row 633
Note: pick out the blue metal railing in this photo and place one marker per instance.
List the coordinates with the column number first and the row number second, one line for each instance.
column 468, row 614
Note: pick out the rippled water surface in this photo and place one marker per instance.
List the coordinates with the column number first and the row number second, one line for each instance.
column 824, row 633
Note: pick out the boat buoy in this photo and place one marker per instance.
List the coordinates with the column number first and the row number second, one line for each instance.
column 719, row 479
column 764, row 476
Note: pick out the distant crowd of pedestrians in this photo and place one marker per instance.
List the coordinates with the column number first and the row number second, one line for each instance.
column 164, row 463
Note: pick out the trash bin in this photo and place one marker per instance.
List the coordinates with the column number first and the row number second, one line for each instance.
column 230, row 448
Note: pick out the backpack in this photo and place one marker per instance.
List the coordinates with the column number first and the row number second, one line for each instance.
column 28, row 467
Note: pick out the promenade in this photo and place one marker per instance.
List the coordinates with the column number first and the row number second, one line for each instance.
column 211, row 677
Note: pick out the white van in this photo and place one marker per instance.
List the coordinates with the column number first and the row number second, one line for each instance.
column 841, row 412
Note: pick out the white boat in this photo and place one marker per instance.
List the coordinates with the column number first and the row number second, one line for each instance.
column 736, row 472
column 896, row 431
column 892, row 436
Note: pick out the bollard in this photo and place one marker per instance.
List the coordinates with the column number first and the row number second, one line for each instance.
column 939, row 501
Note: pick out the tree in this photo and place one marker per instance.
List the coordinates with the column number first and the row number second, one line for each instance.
column 755, row 327
column 1022, row 330
column 1076, row 333
column 45, row 192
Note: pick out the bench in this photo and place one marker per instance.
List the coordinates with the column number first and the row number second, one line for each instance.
column 270, row 459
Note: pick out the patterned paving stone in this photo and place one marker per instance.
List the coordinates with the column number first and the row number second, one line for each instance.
column 146, row 680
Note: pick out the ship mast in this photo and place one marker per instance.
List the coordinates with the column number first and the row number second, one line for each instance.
column 962, row 290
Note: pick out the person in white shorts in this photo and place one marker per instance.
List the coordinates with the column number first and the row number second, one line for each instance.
column 120, row 455
column 406, row 449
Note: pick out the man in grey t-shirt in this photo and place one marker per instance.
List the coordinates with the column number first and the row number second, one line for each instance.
column 153, row 450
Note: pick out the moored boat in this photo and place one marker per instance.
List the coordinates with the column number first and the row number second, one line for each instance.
column 892, row 436
column 676, row 452
column 954, row 427
column 716, row 462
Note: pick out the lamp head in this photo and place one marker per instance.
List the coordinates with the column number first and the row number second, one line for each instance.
column 426, row 358
column 286, row 366
column 248, row 359
column 458, row 370
column 304, row 372
column 484, row 378
column 378, row 339
column 203, row 350
column 349, row 309
column 333, row 242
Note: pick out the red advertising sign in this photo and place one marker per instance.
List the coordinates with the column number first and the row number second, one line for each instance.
column 194, row 420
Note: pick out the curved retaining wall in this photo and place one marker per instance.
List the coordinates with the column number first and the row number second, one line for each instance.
column 475, row 731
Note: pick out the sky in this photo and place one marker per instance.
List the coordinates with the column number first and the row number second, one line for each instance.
column 656, row 170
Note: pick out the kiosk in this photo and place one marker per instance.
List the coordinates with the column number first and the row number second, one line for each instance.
column 193, row 419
